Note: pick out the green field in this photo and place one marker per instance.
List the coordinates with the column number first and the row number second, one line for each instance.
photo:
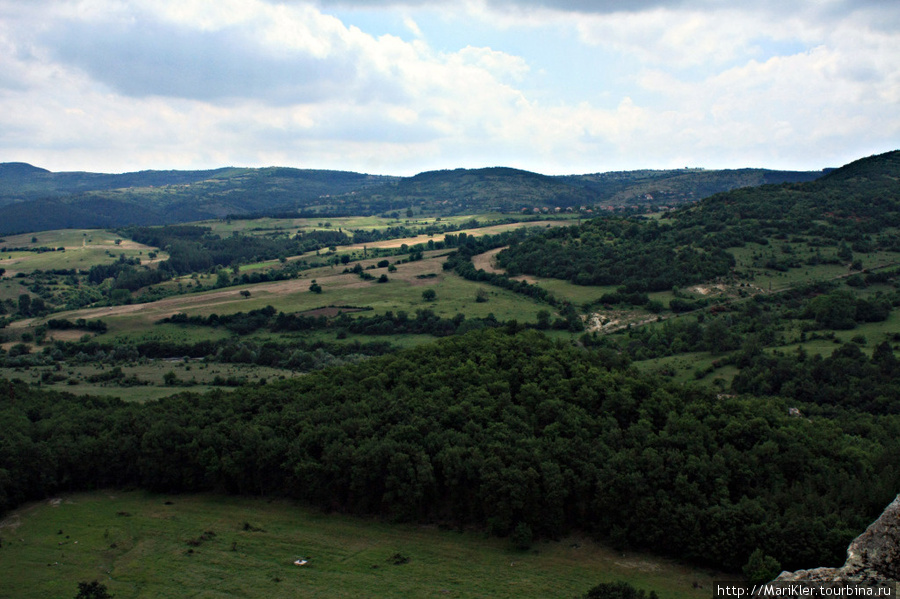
column 191, row 375
column 83, row 248
column 143, row 545
column 403, row 291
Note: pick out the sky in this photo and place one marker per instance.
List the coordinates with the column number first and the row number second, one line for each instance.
column 403, row 86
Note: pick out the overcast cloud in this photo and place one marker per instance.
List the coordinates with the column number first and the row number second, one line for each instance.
column 392, row 87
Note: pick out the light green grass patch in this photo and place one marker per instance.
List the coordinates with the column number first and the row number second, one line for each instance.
column 83, row 248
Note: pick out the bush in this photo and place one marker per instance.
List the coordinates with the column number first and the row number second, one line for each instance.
column 618, row 590
column 761, row 568
column 522, row 537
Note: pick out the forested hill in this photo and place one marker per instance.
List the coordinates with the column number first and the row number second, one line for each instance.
column 852, row 207
column 33, row 199
column 861, row 198
column 676, row 186
column 475, row 190
column 510, row 432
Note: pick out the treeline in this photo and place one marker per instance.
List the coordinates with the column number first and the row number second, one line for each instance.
column 423, row 322
column 64, row 324
column 197, row 249
column 505, row 432
column 848, row 378
column 297, row 354
column 127, row 274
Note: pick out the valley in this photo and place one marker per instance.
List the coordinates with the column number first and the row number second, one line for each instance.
column 621, row 381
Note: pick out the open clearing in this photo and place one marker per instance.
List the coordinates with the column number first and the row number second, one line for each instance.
column 403, row 291
column 83, row 248
column 152, row 546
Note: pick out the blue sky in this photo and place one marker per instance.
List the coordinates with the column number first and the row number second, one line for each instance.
column 380, row 86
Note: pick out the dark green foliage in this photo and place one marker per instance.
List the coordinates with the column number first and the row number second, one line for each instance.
column 67, row 200
column 643, row 256
column 847, row 378
column 429, row 295
column 522, row 536
column 618, row 590
column 485, row 429
column 64, row 324
column 92, row 590
column 761, row 568
column 689, row 247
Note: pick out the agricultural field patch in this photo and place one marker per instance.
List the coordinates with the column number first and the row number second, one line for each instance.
column 82, row 248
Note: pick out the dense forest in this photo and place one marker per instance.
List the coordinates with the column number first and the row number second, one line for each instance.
column 510, row 432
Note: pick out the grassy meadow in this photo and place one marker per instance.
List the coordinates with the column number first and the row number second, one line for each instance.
column 83, row 248
column 142, row 545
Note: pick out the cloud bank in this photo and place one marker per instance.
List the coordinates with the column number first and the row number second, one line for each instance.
column 400, row 87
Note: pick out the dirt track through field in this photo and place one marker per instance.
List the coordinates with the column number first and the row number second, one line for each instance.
column 486, row 263
column 171, row 305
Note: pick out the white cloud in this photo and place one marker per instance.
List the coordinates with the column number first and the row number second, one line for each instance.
column 122, row 85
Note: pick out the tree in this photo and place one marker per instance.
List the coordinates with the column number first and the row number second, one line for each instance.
column 315, row 287
column 481, row 296
column 25, row 304
column 92, row 590
column 618, row 590
column 222, row 279
column 245, row 293
column 429, row 295
column 761, row 568
column 522, row 537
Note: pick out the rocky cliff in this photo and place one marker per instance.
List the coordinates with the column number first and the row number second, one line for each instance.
column 872, row 558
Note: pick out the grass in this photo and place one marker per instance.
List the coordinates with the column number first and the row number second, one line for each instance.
column 199, row 374
column 83, row 248
column 137, row 544
column 403, row 292
column 292, row 226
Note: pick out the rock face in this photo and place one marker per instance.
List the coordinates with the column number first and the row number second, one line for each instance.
column 872, row 558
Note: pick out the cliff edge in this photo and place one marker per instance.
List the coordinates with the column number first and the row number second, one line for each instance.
column 872, row 558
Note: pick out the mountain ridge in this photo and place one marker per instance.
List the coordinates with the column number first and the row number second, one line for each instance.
column 34, row 199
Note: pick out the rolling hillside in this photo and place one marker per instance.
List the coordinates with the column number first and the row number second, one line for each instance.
column 34, row 199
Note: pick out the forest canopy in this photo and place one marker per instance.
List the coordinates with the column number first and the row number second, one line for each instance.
column 490, row 429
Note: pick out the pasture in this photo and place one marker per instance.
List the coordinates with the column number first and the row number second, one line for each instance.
column 83, row 248
column 142, row 545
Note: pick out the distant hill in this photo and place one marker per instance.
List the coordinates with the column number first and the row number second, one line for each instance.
column 851, row 208
column 468, row 190
column 681, row 185
column 33, row 199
